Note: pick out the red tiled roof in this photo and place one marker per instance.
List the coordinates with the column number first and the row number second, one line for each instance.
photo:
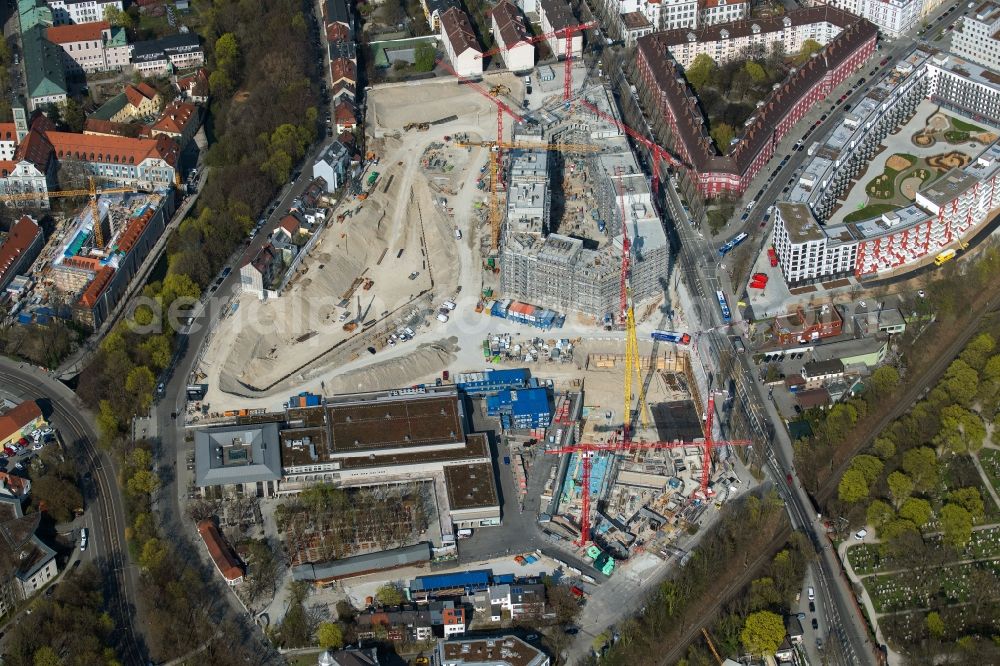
column 110, row 128
column 15, row 484
column 17, row 417
column 345, row 112
column 137, row 94
column 35, row 148
column 344, row 69
column 8, row 132
column 196, row 84
column 79, row 32
column 692, row 139
column 133, row 231
column 224, row 559
column 336, row 32
column 458, row 31
column 86, row 263
column 22, row 234
column 290, row 224
column 112, row 149
column 510, row 24
column 96, row 286
column 175, row 117
column 7, row 167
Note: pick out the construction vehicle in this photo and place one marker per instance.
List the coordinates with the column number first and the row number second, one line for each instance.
column 496, row 155
column 500, row 89
column 91, row 192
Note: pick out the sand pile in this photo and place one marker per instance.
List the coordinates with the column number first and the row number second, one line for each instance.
column 426, row 360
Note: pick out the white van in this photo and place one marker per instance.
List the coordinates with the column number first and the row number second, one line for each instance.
column 83, row 539
column 442, row 317
column 458, row 234
column 861, row 534
column 811, row 593
column 449, row 305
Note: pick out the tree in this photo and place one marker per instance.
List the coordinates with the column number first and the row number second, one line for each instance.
column 922, row 466
column 60, row 497
column 884, row 380
column 756, row 72
column 869, row 466
column 424, row 57
column 978, row 351
column 118, row 17
column 722, row 134
column 389, row 595
column 878, row 514
column 139, row 384
column 73, row 115
column 227, row 55
column 808, row 47
column 962, row 430
column 154, row 552
column 956, row 523
column 852, row 487
column 143, row 482
column 46, row 656
column 885, row 447
column 961, row 381
column 900, row 486
column 763, row 633
column 329, row 636
column 935, row 625
column 917, row 511
column 157, row 350
column 971, row 500
column 701, row 71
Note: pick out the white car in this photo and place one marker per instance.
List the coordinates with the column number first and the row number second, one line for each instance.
column 83, row 539
column 860, row 534
column 38, row 446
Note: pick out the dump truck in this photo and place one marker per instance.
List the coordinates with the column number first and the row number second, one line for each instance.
column 372, row 177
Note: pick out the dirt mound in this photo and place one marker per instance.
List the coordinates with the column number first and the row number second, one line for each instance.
column 898, row 162
column 427, row 360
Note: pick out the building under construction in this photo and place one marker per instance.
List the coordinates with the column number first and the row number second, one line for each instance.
column 90, row 263
column 561, row 245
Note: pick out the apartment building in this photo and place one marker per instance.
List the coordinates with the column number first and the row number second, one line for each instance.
column 511, row 32
column 81, row 11
column 19, row 248
column 556, row 15
column 634, row 26
column 433, row 9
column 91, row 47
column 976, row 36
column 661, row 79
column 737, row 39
column 712, row 12
column 893, row 17
column 944, row 213
column 460, row 43
column 44, row 76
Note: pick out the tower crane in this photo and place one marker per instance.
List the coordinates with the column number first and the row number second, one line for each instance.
column 587, row 450
column 626, row 313
column 495, row 154
column 91, row 192
column 711, row 647
column 566, row 34
column 495, row 147
column 658, row 153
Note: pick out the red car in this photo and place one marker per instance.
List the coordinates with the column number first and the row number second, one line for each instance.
column 9, row 451
column 23, row 442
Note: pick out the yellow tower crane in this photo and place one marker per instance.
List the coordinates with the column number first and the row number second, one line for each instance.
column 495, row 147
column 91, row 192
column 711, row 647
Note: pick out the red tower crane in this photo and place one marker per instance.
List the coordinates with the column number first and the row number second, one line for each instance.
column 588, row 449
column 659, row 154
column 565, row 34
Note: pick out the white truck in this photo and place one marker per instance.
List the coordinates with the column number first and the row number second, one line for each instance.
column 442, row 317
column 449, row 305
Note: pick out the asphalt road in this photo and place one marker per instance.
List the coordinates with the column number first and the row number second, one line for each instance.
column 105, row 515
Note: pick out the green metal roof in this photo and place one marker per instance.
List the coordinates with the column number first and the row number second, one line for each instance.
column 42, row 65
column 111, row 107
column 34, row 13
column 118, row 37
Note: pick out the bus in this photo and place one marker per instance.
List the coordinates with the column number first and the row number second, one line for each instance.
column 724, row 307
column 944, row 256
column 671, row 336
column 732, row 242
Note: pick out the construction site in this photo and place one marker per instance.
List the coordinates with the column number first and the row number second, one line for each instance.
column 92, row 256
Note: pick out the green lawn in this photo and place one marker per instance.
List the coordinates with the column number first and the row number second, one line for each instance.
column 869, row 211
column 954, row 136
column 990, row 460
column 963, row 126
column 883, row 189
